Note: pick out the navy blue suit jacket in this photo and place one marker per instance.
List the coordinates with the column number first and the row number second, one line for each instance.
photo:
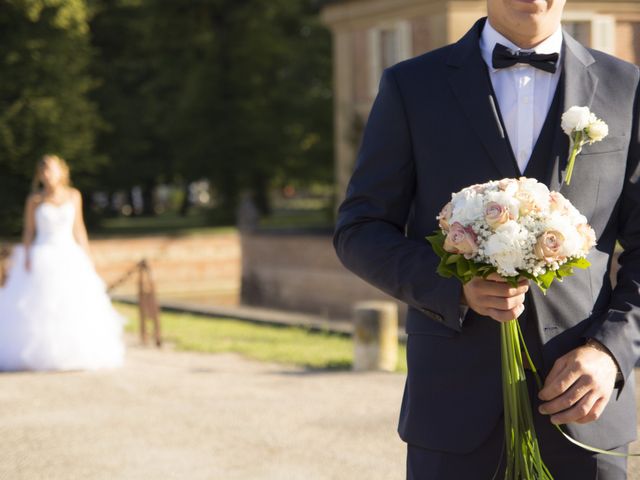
column 431, row 132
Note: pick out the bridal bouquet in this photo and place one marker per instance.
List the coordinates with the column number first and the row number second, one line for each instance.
column 518, row 229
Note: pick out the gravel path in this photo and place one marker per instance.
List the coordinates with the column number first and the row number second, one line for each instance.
column 176, row 415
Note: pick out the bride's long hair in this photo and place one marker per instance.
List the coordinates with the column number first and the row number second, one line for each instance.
column 37, row 185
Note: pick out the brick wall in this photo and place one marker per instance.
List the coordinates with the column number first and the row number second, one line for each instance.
column 202, row 267
column 205, row 268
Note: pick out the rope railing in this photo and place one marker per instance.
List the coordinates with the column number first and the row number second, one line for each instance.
column 147, row 300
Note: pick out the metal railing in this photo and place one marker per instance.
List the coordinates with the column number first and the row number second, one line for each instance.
column 147, row 300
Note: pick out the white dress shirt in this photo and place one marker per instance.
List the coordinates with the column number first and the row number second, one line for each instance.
column 524, row 93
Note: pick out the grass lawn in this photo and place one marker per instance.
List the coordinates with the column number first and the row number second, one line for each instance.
column 296, row 346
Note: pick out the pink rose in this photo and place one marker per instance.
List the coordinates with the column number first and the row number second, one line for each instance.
column 445, row 216
column 461, row 240
column 548, row 246
column 588, row 237
column 496, row 214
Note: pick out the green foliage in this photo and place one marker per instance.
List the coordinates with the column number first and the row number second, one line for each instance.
column 455, row 265
column 238, row 92
column 134, row 92
column 44, row 106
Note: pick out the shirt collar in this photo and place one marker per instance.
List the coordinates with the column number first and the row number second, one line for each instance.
column 490, row 36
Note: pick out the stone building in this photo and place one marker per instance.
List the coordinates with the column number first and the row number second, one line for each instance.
column 369, row 35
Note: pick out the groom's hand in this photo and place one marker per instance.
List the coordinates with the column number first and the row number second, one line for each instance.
column 495, row 298
column 579, row 385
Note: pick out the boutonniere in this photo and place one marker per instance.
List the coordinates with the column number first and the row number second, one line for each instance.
column 582, row 127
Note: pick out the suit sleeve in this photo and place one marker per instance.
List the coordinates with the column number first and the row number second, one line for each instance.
column 370, row 232
column 618, row 329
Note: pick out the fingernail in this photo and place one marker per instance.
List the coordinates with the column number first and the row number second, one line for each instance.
column 542, row 410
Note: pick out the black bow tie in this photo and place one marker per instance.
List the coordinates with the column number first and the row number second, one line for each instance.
column 504, row 57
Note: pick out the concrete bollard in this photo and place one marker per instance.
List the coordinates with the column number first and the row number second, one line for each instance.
column 375, row 336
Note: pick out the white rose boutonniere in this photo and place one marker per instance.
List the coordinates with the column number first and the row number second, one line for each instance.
column 582, row 127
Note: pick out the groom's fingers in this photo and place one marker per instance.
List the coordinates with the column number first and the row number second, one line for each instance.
column 572, row 396
column 495, row 298
column 502, row 303
column 595, row 412
column 559, row 382
column 503, row 315
column 496, row 289
column 578, row 412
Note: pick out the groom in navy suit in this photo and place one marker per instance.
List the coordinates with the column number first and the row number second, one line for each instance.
column 486, row 108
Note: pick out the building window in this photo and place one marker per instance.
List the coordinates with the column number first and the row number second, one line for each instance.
column 580, row 30
column 592, row 30
column 389, row 44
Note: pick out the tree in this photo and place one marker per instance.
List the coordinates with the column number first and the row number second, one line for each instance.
column 45, row 55
column 235, row 91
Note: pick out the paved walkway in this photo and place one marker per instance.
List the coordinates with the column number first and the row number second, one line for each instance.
column 187, row 416
column 171, row 415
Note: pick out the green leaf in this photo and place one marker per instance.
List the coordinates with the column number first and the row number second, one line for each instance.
column 462, row 266
column 452, row 259
column 437, row 241
column 580, row 263
column 444, row 271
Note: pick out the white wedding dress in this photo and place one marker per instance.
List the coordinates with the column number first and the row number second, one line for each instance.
column 57, row 316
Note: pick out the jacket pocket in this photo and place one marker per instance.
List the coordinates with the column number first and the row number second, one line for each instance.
column 607, row 145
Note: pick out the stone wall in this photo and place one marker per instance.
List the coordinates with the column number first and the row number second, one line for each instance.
column 300, row 272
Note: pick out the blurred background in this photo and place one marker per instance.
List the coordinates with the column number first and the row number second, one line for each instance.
column 214, row 140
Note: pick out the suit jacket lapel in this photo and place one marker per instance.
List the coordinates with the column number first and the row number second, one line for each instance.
column 579, row 85
column 470, row 83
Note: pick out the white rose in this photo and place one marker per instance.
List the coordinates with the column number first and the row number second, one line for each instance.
column 573, row 241
column 597, row 130
column 575, row 119
column 533, row 192
column 508, row 186
column 468, row 206
column 505, row 248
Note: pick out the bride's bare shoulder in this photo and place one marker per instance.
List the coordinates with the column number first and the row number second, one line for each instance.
column 35, row 199
column 74, row 194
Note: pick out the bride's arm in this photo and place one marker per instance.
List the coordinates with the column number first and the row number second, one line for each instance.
column 29, row 229
column 79, row 228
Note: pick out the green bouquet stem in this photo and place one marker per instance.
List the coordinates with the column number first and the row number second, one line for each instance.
column 524, row 461
column 576, row 147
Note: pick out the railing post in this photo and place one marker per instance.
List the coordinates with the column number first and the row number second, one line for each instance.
column 142, row 302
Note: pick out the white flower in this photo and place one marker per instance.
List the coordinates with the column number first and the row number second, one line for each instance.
column 582, row 127
column 597, row 130
column 468, row 205
column 575, row 119
column 533, row 195
column 573, row 241
column 506, row 248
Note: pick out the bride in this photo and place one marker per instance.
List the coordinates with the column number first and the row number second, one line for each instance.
column 54, row 311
